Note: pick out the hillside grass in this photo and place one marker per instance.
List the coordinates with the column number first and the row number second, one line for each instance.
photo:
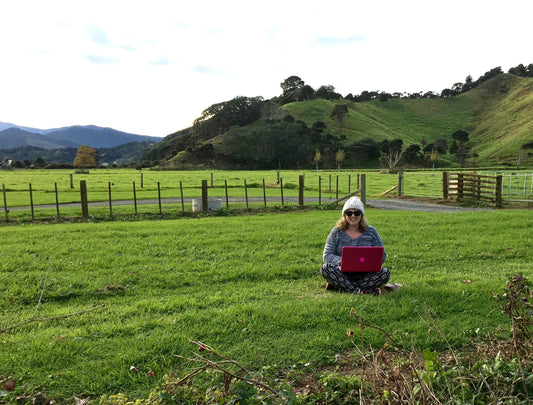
column 506, row 122
column 247, row 286
column 496, row 114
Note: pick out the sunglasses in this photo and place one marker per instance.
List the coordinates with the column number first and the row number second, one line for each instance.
column 350, row 213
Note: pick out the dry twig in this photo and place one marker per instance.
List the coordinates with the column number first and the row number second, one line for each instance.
column 219, row 366
column 51, row 318
column 20, row 267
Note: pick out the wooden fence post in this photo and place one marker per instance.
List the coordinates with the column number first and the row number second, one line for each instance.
column 110, row 203
column 226, row 189
column 301, row 184
column 31, row 204
column 246, row 193
column 445, row 186
column 319, row 190
column 135, row 198
column 400, row 183
column 181, row 194
column 264, row 193
column 281, row 189
column 498, row 191
column 205, row 208
column 363, row 188
column 142, row 180
column 83, row 198
column 349, row 183
column 71, row 181
column 337, row 188
column 5, row 200
column 212, row 181
column 159, row 197
column 57, row 199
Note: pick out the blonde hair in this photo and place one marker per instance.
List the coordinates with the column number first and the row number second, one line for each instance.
column 342, row 224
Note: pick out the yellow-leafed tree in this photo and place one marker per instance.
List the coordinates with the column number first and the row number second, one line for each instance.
column 85, row 157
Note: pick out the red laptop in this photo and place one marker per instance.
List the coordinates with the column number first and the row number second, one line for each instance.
column 361, row 259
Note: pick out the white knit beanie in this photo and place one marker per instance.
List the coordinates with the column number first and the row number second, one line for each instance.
column 353, row 203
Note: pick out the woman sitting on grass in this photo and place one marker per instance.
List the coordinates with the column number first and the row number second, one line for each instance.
column 352, row 230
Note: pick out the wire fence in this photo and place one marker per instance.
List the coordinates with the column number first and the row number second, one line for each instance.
column 178, row 198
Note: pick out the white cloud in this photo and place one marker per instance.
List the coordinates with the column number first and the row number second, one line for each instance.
column 153, row 67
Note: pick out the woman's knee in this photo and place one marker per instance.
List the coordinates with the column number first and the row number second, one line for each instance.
column 385, row 274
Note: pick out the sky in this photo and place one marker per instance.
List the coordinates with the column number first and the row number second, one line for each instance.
column 151, row 67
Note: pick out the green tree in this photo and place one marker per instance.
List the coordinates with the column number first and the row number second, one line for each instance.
column 526, row 151
column 219, row 118
column 339, row 112
column 463, row 153
column 462, row 149
column 303, row 93
column 327, row 93
column 412, row 154
column 364, row 150
column 290, row 84
column 434, row 156
column 460, row 136
column 317, row 158
column 384, row 97
column 317, row 130
column 39, row 162
column 85, row 157
column 391, row 152
column 339, row 158
column 441, row 145
column 276, row 145
column 270, row 110
column 453, row 147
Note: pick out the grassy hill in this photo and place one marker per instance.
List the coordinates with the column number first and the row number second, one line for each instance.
column 498, row 115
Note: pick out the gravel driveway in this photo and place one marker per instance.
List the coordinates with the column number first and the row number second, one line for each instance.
column 410, row 205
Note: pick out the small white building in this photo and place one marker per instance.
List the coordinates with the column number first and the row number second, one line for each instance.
column 6, row 162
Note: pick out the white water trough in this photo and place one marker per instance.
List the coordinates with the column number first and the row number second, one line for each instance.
column 213, row 204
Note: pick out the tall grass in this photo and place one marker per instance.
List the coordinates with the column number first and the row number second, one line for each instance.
column 248, row 286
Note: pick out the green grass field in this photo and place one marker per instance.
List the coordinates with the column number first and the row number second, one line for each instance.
column 249, row 286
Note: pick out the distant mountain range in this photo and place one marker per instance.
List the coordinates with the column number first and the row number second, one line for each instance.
column 12, row 136
column 60, row 144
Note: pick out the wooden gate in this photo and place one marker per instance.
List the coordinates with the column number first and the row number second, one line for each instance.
column 472, row 185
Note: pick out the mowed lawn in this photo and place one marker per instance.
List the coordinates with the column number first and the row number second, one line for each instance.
column 249, row 286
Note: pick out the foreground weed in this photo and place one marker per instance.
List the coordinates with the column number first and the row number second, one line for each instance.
column 393, row 374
